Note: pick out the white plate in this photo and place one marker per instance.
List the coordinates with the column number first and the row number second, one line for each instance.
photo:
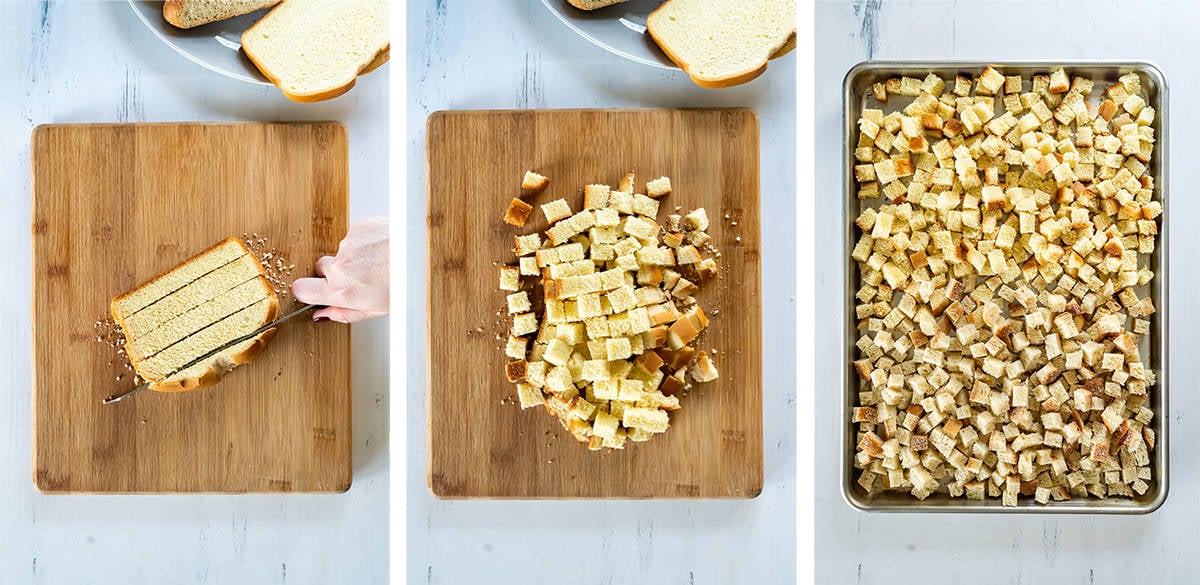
column 619, row 29
column 216, row 47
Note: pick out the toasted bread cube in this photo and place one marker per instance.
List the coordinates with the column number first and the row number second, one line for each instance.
column 510, row 278
column 515, row 348
column 529, row 266
column 681, row 333
column 626, row 182
column 640, row 228
column 618, row 348
column 557, row 352
column 687, row 255
column 518, row 302
column 630, row 390
column 607, row 217
column 643, row 205
column 703, row 370
column 698, row 219
column 990, row 81
column 558, row 380
column 517, row 213
column 646, row 419
column 515, row 370
column 605, row 425
column 527, row 244
column 621, row 201
column 534, row 182
column 556, row 210
column 595, row 196
column 529, row 395
column 659, row 188
column 1059, row 82
column 595, row 370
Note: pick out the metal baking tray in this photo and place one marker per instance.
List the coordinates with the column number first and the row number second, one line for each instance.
column 1154, row 346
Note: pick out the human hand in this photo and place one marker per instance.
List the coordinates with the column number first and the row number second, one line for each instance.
column 354, row 284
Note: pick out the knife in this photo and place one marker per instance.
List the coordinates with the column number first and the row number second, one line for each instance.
column 223, row 347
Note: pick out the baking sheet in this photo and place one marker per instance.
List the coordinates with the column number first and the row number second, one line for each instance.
column 1154, row 346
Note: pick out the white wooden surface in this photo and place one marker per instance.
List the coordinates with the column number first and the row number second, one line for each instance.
column 95, row 62
column 515, row 54
column 853, row 547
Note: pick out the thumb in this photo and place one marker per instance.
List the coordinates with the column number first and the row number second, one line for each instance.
column 315, row 291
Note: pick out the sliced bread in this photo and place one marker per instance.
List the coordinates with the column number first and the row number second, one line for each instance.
column 160, row 369
column 315, row 49
column 160, row 286
column 206, row 301
column 593, row 4
column 193, row 13
column 177, row 328
column 721, row 43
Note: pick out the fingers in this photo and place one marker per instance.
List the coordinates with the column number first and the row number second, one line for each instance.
column 324, row 264
column 343, row 315
column 315, row 291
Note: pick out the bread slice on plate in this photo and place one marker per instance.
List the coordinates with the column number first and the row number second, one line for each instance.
column 193, row 13
column 315, row 49
column 593, row 4
column 206, row 301
column 721, row 43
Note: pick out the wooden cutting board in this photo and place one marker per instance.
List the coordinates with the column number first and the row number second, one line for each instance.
column 481, row 444
column 114, row 205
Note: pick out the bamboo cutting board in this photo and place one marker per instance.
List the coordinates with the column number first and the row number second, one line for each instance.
column 114, row 205
column 481, row 444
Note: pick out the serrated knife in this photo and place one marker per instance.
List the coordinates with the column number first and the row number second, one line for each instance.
column 223, row 347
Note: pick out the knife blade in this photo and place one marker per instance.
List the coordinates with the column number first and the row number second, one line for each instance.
column 217, row 350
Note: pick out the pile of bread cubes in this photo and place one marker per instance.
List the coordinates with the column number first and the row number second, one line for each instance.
column 998, row 311
column 614, row 310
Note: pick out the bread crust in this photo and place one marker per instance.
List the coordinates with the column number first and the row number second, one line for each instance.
column 378, row 60
column 592, row 4
column 214, row 373
column 173, row 9
column 112, row 305
column 784, row 47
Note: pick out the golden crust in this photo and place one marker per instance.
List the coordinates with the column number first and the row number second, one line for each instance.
column 787, row 45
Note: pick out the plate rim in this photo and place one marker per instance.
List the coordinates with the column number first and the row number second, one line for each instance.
column 190, row 57
column 563, row 19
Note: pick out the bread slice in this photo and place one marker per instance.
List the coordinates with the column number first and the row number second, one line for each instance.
column 206, row 301
column 593, row 4
column 175, row 329
column 721, row 43
column 160, row 369
column 194, row 294
column 146, row 293
column 193, row 13
column 315, row 49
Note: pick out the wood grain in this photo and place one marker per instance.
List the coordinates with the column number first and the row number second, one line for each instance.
column 483, row 446
column 114, row 205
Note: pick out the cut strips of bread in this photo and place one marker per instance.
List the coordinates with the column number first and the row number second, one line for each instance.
column 177, row 328
column 594, row 4
column 721, row 43
column 146, row 293
column 193, row 13
column 160, row 369
column 314, row 50
column 194, row 294
column 204, row 302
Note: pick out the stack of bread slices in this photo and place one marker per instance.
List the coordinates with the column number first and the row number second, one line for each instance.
column 719, row 43
column 313, row 50
column 211, row 299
